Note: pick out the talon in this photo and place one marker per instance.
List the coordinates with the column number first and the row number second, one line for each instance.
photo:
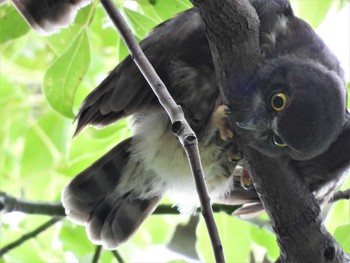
column 235, row 157
column 220, row 119
column 246, row 181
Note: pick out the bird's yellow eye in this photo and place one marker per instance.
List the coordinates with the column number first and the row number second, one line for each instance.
column 278, row 101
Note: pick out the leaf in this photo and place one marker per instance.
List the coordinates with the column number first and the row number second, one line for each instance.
column 266, row 239
column 63, row 78
column 141, row 24
column 44, row 142
column 341, row 234
column 74, row 239
column 307, row 11
column 165, row 9
column 339, row 214
column 235, row 238
column 12, row 25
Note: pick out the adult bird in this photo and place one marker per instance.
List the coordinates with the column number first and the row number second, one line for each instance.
column 295, row 106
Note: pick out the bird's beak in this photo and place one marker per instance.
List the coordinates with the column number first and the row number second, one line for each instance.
column 253, row 123
column 248, row 124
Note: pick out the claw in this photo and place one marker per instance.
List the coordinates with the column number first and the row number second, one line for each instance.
column 220, row 119
column 234, row 157
column 246, row 181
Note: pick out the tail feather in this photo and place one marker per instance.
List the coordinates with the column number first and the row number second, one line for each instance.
column 93, row 199
column 47, row 16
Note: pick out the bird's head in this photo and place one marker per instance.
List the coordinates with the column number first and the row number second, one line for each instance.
column 293, row 107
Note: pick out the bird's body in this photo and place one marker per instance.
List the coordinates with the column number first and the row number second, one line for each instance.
column 115, row 194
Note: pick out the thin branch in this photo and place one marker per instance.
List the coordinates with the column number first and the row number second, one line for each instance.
column 56, row 208
column 117, row 256
column 97, row 254
column 341, row 195
column 29, row 235
column 179, row 125
column 9, row 204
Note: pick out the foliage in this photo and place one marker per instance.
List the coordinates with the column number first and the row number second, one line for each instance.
column 43, row 80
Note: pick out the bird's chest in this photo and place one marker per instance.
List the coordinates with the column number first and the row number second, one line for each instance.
column 162, row 153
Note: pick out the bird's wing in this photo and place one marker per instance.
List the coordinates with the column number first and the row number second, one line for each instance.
column 179, row 52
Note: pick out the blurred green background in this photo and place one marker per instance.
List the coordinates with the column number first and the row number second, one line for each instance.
column 44, row 79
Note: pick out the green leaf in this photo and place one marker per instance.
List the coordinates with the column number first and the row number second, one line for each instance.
column 44, row 142
column 63, row 78
column 74, row 239
column 12, row 25
column 266, row 239
column 339, row 214
column 307, row 11
column 235, row 238
column 342, row 235
column 165, row 9
column 141, row 24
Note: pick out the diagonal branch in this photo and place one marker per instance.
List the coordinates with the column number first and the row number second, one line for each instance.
column 29, row 235
column 117, row 256
column 97, row 254
column 180, row 127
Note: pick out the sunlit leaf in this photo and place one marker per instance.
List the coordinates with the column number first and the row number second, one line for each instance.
column 12, row 25
column 74, row 239
column 64, row 76
column 266, row 239
column 140, row 23
column 235, row 237
column 342, row 235
column 44, row 142
column 307, row 11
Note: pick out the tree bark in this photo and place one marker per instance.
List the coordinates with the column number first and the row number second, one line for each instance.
column 232, row 28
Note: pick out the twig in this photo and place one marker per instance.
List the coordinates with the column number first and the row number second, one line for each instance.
column 117, row 256
column 29, row 235
column 9, row 204
column 341, row 195
column 97, row 254
column 179, row 125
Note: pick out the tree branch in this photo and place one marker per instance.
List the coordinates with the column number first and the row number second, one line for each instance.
column 9, row 204
column 117, row 256
column 293, row 210
column 56, row 208
column 180, row 127
column 97, row 254
column 341, row 195
column 29, row 235
column 232, row 30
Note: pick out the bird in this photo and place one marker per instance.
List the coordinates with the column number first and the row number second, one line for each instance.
column 48, row 16
column 293, row 107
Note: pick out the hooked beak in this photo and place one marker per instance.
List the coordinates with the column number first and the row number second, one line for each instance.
column 253, row 123
column 247, row 125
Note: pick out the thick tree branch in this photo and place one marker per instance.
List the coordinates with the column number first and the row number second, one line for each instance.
column 294, row 212
column 180, row 126
column 29, row 235
column 233, row 31
column 232, row 28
